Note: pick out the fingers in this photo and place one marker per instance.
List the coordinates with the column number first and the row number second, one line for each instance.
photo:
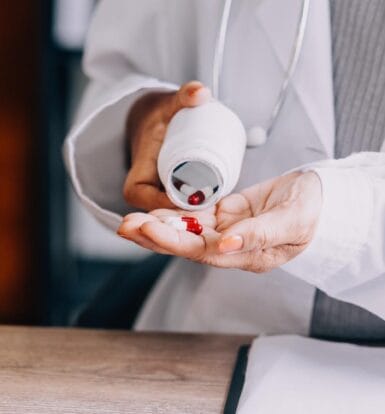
column 258, row 195
column 142, row 191
column 190, row 94
column 181, row 243
column 147, row 196
column 142, row 185
column 257, row 261
column 232, row 209
column 273, row 257
column 130, row 230
column 205, row 217
column 149, row 232
column 267, row 230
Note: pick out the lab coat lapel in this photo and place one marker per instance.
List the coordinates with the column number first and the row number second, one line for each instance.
column 312, row 80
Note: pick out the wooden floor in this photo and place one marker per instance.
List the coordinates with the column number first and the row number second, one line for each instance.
column 45, row 370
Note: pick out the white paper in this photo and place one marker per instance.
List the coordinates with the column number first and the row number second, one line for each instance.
column 292, row 374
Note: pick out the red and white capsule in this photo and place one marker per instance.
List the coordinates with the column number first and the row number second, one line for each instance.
column 196, row 198
column 184, row 188
column 185, row 223
column 200, row 196
column 207, row 191
column 187, row 190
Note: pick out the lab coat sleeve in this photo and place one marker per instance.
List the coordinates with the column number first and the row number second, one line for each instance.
column 346, row 258
column 115, row 62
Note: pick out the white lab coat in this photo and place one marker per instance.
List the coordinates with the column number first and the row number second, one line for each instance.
column 136, row 46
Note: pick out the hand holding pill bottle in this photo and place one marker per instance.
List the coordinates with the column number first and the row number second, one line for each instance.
column 146, row 127
column 201, row 157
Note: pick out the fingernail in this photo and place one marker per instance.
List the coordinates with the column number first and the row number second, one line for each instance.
column 191, row 92
column 230, row 244
column 120, row 232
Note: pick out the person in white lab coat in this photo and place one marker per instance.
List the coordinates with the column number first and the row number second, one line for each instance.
column 321, row 226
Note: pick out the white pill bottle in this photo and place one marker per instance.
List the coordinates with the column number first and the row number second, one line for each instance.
column 203, row 148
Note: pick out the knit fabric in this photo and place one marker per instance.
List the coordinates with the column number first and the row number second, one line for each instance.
column 358, row 42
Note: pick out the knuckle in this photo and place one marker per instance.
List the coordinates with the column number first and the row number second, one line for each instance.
column 250, row 263
column 257, row 263
column 271, row 259
column 258, row 237
column 132, row 195
column 158, row 131
column 213, row 261
column 198, row 258
column 128, row 191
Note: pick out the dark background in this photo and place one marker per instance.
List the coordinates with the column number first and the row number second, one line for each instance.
column 22, row 244
column 47, row 271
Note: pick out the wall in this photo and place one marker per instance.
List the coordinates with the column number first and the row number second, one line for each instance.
column 19, row 149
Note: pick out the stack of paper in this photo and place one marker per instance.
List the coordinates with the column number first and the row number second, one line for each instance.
column 291, row 374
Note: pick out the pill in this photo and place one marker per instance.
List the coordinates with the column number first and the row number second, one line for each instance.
column 184, row 188
column 190, row 224
column 190, row 219
column 196, row 198
column 197, row 229
column 201, row 195
column 187, row 190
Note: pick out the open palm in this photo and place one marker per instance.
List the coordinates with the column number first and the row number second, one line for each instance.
column 258, row 229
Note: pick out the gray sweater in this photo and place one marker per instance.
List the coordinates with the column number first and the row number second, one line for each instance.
column 358, row 41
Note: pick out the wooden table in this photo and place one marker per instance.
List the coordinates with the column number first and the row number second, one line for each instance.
column 46, row 370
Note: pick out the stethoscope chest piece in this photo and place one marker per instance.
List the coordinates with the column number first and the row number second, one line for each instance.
column 256, row 136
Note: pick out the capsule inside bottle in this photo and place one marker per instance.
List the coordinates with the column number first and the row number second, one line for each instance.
column 194, row 183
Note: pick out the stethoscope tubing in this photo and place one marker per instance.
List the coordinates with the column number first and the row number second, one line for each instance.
column 291, row 68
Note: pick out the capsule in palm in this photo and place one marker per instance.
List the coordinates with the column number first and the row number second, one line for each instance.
column 190, row 224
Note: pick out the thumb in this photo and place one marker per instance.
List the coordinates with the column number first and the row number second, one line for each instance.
column 262, row 232
column 191, row 94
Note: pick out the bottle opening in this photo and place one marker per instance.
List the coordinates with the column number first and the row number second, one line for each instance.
column 195, row 183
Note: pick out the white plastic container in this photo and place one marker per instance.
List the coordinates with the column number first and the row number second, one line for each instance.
column 204, row 147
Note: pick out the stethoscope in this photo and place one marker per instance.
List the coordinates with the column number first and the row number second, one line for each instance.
column 258, row 135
